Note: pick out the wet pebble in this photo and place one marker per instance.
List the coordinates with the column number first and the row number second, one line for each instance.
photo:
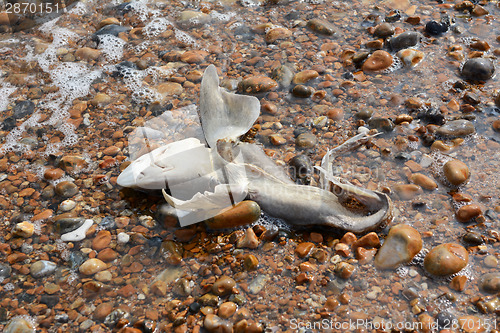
column 5, row 270
column 407, row 191
column 322, row 27
column 72, row 163
column 302, row 91
column 382, row 124
column 110, row 29
column 478, row 69
column 456, row 128
column 249, row 240
column 303, row 249
column 23, row 109
column 283, row 75
column 468, row 212
column 257, row 84
column 384, row 30
column 215, row 324
column 456, row 172
column 301, row 168
column 87, row 54
column 101, row 240
column 377, row 61
column 227, row 309
column 223, row 286
column 42, row 268
column 436, row 28
column 192, row 19
column 410, row 57
column 405, row 40
column 446, row 259
column 66, row 189
column 272, row 35
column 92, row 266
column 306, row 140
column 472, row 238
column 400, row 246
column 122, row 238
column 305, row 76
column 423, row 181
column 19, row 325
column 67, row 205
column 257, row 284
column 24, row 229
column 490, row 283
column 496, row 125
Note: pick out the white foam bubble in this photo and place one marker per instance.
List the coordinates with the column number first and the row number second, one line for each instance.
column 221, row 17
column 112, row 47
column 156, row 27
column 185, row 38
column 5, row 91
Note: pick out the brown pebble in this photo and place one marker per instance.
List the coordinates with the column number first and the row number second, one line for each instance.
column 344, row 270
column 223, row 286
column 446, row 259
column 305, row 76
column 102, row 310
column 458, row 283
column 101, row 240
column 407, row 191
column 348, row 238
column 331, row 303
column 303, row 249
column 335, row 114
column 377, row 61
column 468, row 212
column 249, row 240
column 92, row 266
column 369, row 240
column 226, row 310
column 250, row 262
column 316, row 237
column 423, row 181
column 456, row 172
column 53, row 174
column 496, row 124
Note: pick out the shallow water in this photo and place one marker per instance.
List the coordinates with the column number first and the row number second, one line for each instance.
column 86, row 107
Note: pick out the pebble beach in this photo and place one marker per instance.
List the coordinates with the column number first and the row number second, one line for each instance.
column 79, row 253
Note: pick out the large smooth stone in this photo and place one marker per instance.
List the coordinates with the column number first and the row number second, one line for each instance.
column 446, row 259
column 243, row 213
column 257, row 84
column 468, row 212
column 19, row 325
column 92, row 266
column 377, row 61
column 400, row 246
column 322, row 27
column 405, row 40
column 223, row 286
column 478, row 69
column 42, row 268
column 456, row 172
column 456, row 128
column 490, row 283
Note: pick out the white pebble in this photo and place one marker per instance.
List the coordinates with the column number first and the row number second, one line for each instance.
column 67, row 205
column 122, row 238
column 78, row 234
